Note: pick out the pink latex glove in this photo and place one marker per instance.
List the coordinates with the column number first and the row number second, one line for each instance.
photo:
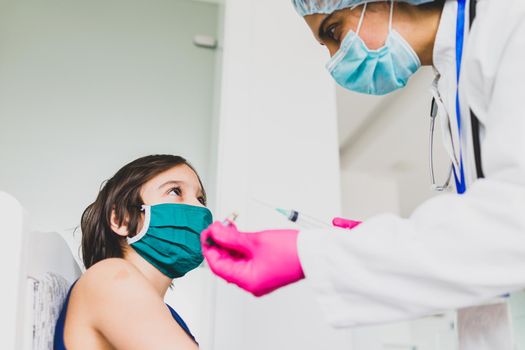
column 258, row 262
column 345, row 223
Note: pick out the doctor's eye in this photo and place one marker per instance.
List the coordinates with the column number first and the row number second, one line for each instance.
column 332, row 33
column 175, row 191
column 202, row 200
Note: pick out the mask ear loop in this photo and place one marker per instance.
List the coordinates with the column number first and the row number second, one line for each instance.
column 361, row 19
column 390, row 20
column 145, row 225
column 345, row 46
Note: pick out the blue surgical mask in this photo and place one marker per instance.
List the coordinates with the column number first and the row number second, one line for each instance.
column 373, row 72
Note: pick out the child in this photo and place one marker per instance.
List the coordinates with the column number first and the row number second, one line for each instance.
column 142, row 231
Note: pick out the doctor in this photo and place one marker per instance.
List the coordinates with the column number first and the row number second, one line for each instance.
column 456, row 250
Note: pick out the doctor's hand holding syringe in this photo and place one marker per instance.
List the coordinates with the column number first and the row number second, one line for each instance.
column 260, row 262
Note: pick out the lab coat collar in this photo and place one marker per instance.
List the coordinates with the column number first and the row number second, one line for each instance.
column 444, row 55
column 445, row 85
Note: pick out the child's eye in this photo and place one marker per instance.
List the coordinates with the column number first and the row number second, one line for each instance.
column 175, row 191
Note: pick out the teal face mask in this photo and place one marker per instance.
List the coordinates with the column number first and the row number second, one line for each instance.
column 373, row 72
column 170, row 238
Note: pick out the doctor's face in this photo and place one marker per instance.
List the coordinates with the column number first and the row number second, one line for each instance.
column 418, row 25
column 330, row 30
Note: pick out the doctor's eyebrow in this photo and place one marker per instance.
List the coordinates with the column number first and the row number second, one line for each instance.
column 322, row 30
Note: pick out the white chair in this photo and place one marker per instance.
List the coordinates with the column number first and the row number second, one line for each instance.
column 37, row 269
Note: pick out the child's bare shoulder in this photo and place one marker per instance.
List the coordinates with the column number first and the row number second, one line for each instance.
column 112, row 279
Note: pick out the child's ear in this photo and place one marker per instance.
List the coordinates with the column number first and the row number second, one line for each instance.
column 121, row 230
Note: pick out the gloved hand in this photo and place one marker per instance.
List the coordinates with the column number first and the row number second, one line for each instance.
column 345, row 223
column 258, row 262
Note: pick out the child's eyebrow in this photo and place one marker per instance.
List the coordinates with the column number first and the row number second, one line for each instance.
column 178, row 183
column 171, row 182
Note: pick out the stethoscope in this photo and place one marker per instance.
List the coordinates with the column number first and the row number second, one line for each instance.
column 434, row 183
column 458, row 173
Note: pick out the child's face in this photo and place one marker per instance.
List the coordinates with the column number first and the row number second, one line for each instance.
column 178, row 185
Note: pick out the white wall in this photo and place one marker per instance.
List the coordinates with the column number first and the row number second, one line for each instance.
column 87, row 86
column 385, row 142
column 277, row 143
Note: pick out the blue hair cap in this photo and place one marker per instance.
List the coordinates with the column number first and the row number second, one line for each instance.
column 310, row 7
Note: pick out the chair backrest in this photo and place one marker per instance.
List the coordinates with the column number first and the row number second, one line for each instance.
column 12, row 231
column 50, row 269
column 36, row 264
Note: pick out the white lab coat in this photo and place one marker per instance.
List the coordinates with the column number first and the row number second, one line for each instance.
column 454, row 251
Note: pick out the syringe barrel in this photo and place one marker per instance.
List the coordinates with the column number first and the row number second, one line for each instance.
column 294, row 216
column 307, row 222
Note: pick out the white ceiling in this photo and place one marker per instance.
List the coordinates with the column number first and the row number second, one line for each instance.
column 389, row 137
column 397, row 123
column 354, row 111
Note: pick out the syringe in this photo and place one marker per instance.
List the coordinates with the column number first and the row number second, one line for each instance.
column 302, row 220
column 230, row 220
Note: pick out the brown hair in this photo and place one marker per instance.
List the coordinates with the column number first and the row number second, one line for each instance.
column 122, row 194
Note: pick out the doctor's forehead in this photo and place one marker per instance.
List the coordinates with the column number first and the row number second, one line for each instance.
column 314, row 22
